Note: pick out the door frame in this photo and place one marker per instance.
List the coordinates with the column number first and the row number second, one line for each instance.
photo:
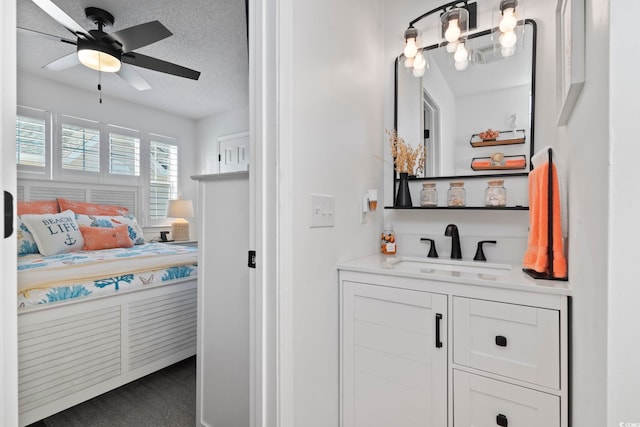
column 8, row 252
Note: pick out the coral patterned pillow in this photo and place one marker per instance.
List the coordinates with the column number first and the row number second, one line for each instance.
column 86, row 208
column 96, row 238
column 106, row 221
column 26, row 244
column 55, row 233
column 38, row 207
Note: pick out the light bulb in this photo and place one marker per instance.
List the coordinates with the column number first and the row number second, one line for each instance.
column 451, row 47
column 419, row 61
column 418, row 72
column 461, row 65
column 453, row 31
column 508, row 39
column 461, row 53
column 411, row 48
column 408, row 62
column 508, row 21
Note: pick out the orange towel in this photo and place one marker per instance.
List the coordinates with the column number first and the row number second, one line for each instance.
column 515, row 163
column 536, row 257
column 481, row 164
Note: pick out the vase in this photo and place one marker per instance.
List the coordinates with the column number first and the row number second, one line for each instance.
column 403, row 198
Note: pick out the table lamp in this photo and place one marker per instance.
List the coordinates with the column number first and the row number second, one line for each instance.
column 180, row 209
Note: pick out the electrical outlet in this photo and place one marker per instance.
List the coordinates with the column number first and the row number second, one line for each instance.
column 322, row 210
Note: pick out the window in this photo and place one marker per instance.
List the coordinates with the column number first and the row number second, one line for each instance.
column 164, row 177
column 80, row 148
column 32, row 140
column 124, row 155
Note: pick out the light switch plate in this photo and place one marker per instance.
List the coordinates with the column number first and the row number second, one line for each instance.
column 322, row 210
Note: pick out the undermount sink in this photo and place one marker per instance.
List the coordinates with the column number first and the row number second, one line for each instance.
column 436, row 265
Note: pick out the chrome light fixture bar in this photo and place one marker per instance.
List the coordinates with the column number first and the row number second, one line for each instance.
column 457, row 18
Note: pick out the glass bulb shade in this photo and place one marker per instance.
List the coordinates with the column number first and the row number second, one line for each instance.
column 508, row 51
column 508, row 39
column 453, row 31
column 408, row 62
column 461, row 53
column 451, row 47
column 418, row 72
column 419, row 61
column 508, row 21
column 98, row 57
column 461, row 65
column 410, row 48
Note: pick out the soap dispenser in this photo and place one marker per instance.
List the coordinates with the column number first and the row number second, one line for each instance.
column 388, row 241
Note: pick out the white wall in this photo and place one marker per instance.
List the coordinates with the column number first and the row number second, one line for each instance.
column 332, row 121
column 623, row 376
column 208, row 131
column 52, row 96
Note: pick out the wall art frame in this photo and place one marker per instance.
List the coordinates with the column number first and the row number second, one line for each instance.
column 570, row 56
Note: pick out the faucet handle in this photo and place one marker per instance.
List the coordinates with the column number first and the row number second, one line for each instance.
column 479, row 252
column 433, row 253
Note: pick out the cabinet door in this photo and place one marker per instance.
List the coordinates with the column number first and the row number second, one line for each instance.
column 394, row 357
column 480, row 401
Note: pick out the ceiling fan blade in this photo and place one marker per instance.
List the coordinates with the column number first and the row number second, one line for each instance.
column 156, row 64
column 63, row 19
column 140, row 35
column 63, row 63
column 29, row 32
column 131, row 76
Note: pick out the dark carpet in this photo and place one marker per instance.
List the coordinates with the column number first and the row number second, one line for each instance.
column 164, row 398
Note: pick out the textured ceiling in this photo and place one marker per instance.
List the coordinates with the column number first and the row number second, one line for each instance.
column 208, row 36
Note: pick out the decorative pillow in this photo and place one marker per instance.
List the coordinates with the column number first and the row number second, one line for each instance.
column 55, row 233
column 26, row 244
column 96, row 238
column 106, row 221
column 38, row 207
column 85, row 208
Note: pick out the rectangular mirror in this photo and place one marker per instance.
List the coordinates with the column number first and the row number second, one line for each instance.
column 448, row 110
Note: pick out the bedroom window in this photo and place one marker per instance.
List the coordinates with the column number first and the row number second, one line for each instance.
column 80, row 148
column 163, row 176
column 124, row 155
column 32, row 140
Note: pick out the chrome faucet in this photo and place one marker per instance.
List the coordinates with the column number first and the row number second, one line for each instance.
column 452, row 231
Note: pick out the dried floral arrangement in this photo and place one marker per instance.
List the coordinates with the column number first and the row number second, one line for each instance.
column 406, row 159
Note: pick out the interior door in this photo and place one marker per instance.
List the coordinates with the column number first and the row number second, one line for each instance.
column 8, row 253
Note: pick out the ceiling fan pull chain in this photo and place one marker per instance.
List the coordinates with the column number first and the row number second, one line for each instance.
column 100, row 85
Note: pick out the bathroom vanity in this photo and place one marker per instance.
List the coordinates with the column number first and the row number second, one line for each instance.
column 432, row 342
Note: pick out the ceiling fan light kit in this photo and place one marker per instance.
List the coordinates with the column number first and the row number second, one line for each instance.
column 113, row 52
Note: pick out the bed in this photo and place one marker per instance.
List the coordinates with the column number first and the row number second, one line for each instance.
column 90, row 321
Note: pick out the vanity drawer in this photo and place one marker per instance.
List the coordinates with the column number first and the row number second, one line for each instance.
column 514, row 341
column 480, row 401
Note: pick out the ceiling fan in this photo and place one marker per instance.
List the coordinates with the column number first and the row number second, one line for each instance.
column 111, row 52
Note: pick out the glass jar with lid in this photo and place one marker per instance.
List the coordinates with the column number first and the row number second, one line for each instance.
column 456, row 195
column 429, row 195
column 495, row 194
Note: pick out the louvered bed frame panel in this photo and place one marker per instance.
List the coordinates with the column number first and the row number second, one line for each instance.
column 72, row 352
column 120, row 195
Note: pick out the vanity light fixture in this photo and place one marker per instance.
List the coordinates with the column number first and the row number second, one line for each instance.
column 456, row 19
column 508, row 26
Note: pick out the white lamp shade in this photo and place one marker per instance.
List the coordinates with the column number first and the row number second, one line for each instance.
column 180, row 209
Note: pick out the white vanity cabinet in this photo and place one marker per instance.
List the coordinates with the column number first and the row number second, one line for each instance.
column 453, row 351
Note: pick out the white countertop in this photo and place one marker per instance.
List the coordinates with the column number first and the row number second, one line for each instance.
column 507, row 276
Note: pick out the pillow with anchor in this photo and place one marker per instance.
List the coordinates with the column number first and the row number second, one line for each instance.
column 55, row 233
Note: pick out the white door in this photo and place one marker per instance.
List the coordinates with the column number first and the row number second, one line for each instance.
column 394, row 357
column 8, row 253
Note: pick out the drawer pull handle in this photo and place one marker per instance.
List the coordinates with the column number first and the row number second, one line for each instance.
column 438, row 341
column 501, row 341
column 501, row 420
